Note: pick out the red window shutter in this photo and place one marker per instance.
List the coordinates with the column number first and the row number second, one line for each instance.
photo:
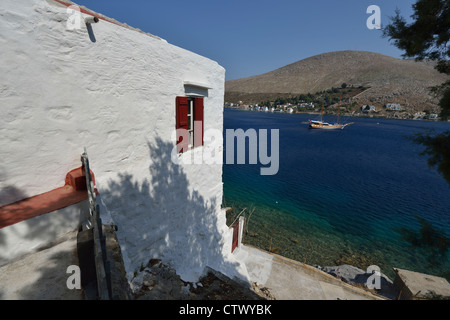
column 182, row 106
column 198, row 122
column 182, row 112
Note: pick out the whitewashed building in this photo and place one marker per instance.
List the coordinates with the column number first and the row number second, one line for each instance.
column 368, row 108
column 394, row 106
column 120, row 93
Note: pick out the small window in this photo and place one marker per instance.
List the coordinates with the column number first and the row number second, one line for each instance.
column 189, row 123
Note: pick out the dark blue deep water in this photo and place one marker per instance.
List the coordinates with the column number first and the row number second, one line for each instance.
column 340, row 196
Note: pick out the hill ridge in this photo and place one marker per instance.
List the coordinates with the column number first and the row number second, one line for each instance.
column 391, row 80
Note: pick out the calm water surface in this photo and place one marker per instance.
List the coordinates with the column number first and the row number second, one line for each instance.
column 340, row 196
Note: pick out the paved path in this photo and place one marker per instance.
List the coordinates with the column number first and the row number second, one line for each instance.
column 41, row 275
column 291, row 280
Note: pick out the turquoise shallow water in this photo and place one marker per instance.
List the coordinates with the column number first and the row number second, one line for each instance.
column 340, row 196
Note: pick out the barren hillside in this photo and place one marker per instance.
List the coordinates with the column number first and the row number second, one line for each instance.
column 391, row 80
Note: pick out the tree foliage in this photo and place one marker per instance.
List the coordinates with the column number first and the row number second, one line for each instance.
column 437, row 147
column 427, row 37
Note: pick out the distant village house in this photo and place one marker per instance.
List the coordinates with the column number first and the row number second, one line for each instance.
column 368, row 108
column 393, row 107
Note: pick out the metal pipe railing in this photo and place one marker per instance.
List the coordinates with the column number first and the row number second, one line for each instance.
column 101, row 263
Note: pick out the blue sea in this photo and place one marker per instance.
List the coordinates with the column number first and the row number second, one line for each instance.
column 340, row 196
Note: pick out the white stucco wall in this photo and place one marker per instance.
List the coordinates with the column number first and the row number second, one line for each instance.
column 42, row 231
column 61, row 92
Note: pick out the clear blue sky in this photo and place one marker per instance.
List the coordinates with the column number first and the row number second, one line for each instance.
column 250, row 37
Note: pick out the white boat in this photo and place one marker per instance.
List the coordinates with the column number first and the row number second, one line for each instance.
column 326, row 126
column 316, row 124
